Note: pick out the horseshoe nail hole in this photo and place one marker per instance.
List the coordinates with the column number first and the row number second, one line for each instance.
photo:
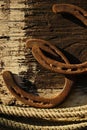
column 80, row 12
column 54, row 66
column 42, row 103
column 46, row 103
column 64, row 68
column 74, row 69
column 26, row 98
column 38, row 102
column 19, row 94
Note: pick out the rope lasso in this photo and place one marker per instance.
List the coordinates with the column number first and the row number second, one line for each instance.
column 23, row 126
column 75, row 113
column 77, row 116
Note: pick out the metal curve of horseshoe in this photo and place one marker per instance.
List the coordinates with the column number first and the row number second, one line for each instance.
column 40, row 46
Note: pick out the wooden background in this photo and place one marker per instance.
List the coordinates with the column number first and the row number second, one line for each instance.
column 23, row 19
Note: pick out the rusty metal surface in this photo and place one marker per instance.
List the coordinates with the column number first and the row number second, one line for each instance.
column 35, row 100
column 39, row 46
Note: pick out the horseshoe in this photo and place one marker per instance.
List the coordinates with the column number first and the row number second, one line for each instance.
column 34, row 100
column 38, row 45
column 76, row 11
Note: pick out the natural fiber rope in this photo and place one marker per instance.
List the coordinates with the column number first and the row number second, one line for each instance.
column 23, row 126
column 75, row 112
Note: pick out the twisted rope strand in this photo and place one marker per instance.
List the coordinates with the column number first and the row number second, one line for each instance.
column 23, row 126
column 75, row 113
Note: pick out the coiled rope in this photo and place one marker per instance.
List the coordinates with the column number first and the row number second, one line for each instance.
column 57, row 114
column 76, row 115
column 23, row 126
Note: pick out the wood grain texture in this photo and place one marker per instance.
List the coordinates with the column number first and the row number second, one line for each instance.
column 23, row 19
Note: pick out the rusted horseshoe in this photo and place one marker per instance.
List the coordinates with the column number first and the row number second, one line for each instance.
column 76, row 11
column 38, row 45
column 34, row 100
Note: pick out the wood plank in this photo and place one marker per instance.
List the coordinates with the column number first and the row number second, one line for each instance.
column 23, row 19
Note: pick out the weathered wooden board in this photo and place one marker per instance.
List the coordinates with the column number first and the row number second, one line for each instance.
column 23, row 19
